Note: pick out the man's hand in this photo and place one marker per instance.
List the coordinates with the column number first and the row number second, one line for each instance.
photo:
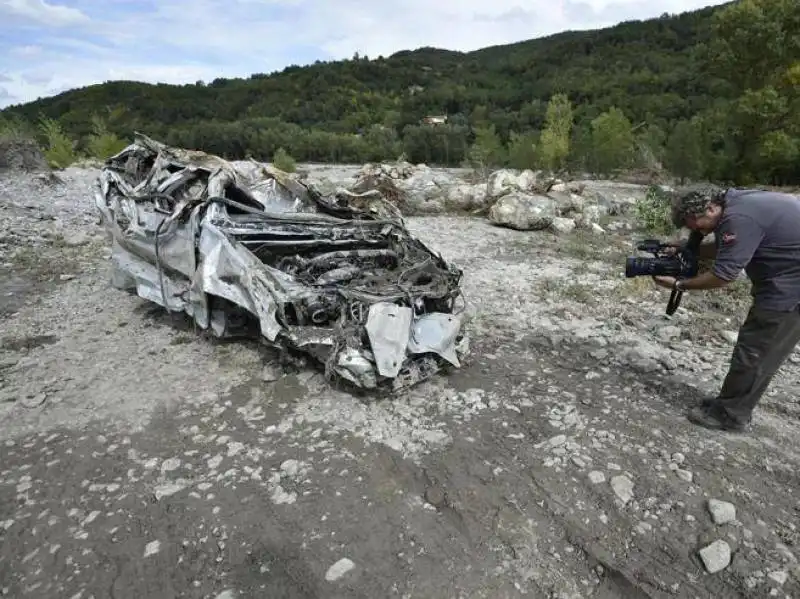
column 666, row 282
column 672, row 247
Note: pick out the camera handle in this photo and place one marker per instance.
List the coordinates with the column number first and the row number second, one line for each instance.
column 691, row 248
column 674, row 301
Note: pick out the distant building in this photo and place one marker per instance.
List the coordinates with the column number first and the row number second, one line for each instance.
column 435, row 120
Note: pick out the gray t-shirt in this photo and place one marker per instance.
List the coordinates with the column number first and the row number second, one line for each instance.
column 760, row 233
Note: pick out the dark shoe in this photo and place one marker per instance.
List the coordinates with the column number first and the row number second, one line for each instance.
column 716, row 418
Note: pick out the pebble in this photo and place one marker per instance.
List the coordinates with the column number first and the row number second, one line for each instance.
column 684, row 475
column 623, row 488
column 596, row 477
column 716, row 556
column 435, row 496
column 578, row 462
column 152, row 548
column 779, row 576
column 339, row 569
column 722, row 512
column 730, row 336
column 170, row 464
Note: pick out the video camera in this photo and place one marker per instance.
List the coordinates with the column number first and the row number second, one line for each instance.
column 681, row 264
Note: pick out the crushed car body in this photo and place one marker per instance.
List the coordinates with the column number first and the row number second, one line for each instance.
column 338, row 278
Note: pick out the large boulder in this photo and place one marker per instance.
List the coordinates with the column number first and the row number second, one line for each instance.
column 616, row 197
column 420, row 189
column 505, row 181
column 568, row 203
column 524, row 212
column 529, row 200
column 590, row 215
column 463, row 197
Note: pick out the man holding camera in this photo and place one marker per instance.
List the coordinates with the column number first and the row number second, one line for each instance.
column 758, row 232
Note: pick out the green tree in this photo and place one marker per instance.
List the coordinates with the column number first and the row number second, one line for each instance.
column 522, row 151
column 756, row 50
column 613, row 142
column 684, row 151
column 487, row 150
column 754, row 42
column 554, row 142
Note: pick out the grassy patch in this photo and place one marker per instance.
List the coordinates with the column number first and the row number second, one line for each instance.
column 49, row 262
column 636, row 287
column 732, row 301
column 589, row 246
column 554, row 288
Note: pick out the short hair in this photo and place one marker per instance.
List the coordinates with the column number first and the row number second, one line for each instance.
column 694, row 200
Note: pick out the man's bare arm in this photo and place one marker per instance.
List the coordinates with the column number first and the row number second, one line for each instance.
column 706, row 280
column 705, row 251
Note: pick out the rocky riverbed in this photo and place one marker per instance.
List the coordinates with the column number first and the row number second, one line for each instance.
column 139, row 458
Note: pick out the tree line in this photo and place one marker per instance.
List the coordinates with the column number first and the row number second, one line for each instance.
column 711, row 94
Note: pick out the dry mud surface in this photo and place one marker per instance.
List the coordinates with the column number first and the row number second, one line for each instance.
column 139, row 458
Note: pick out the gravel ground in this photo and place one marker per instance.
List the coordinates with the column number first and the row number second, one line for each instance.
column 140, row 458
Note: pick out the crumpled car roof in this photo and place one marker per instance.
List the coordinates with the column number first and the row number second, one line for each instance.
column 244, row 247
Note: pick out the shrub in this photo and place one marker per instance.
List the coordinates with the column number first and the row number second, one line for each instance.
column 60, row 149
column 103, row 144
column 282, row 160
column 653, row 212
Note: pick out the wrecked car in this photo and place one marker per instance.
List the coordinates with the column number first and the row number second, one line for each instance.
column 243, row 246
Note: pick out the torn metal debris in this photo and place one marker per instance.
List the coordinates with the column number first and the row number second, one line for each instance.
column 339, row 277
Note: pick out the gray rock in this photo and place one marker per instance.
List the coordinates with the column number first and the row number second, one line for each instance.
column 597, row 229
column 593, row 213
column 523, row 212
column 722, row 512
column 596, row 477
column 562, row 225
column 567, row 203
column 501, row 182
column 76, row 238
column 778, row 576
column 716, row 556
column 339, row 569
column 623, row 488
column 465, row 198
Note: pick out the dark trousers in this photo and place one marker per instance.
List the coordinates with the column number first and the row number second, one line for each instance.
column 766, row 339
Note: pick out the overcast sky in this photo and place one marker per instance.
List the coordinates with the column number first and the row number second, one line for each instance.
column 48, row 46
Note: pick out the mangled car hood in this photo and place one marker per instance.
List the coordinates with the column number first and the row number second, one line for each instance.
column 338, row 278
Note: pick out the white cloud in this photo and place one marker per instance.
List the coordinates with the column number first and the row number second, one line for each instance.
column 42, row 12
column 178, row 41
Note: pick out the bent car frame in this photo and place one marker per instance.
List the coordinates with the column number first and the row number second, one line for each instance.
column 338, row 278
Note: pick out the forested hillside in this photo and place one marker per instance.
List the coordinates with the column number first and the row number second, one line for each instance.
column 708, row 94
